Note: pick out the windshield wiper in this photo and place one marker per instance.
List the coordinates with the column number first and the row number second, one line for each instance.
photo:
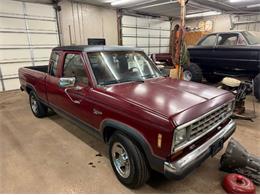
column 148, row 75
column 109, row 82
column 131, row 80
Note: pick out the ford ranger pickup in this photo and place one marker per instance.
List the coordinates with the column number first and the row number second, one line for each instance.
column 149, row 121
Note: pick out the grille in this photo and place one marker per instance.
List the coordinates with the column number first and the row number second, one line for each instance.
column 207, row 122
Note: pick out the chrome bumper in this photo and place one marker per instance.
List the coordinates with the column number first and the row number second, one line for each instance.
column 181, row 167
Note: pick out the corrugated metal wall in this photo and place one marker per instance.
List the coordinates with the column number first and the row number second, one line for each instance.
column 81, row 21
column 246, row 22
column 28, row 32
column 147, row 33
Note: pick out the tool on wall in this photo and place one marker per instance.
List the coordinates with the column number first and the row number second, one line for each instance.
column 177, row 46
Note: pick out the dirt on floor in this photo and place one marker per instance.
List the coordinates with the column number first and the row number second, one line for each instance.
column 52, row 155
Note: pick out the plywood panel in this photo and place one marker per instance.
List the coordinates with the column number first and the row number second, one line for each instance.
column 129, row 31
column 164, row 49
column 142, row 22
column 12, row 23
column 155, row 42
column 42, row 25
column 11, row 70
column 14, row 54
column 142, row 32
column 13, row 39
column 129, row 41
column 155, row 33
column 44, row 39
column 41, row 10
column 154, row 50
column 142, row 42
column 11, row 84
column 129, row 20
column 14, row 7
column 42, row 53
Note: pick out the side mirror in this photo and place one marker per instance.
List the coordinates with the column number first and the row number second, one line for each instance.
column 67, row 82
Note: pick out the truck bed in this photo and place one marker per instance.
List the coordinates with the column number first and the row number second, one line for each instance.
column 34, row 77
column 39, row 68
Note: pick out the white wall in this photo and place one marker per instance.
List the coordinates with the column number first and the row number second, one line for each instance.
column 87, row 21
column 220, row 22
column 224, row 23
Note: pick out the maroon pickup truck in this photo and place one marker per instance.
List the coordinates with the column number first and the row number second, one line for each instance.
column 150, row 122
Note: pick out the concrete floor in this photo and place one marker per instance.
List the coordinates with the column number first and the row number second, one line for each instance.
column 51, row 155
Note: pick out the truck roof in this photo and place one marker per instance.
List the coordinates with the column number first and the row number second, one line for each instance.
column 95, row 48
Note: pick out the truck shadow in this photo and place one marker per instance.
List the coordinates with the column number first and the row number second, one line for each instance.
column 84, row 135
column 157, row 182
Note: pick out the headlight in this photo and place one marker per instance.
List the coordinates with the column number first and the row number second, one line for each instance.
column 180, row 136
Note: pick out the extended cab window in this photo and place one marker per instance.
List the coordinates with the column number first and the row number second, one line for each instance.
column 53, row 63
column 74, row 67
column 209, row 41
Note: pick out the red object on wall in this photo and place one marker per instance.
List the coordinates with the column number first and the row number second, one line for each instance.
column 238, row 184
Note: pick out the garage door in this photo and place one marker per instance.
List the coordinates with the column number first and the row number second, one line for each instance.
column 28, row 31
column 147, row 33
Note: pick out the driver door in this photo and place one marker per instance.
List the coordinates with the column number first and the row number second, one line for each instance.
column 76, row 97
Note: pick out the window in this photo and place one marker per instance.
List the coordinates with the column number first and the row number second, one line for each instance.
column 53, row 63
column 228, row 39
column 121, row 66
column 253, row 38
column 209, row 41
column 74, row 67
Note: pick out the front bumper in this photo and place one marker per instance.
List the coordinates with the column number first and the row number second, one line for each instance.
column 180, row 168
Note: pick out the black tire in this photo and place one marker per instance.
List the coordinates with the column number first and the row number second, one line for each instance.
column 212, row 78
column 257, row 87
column 40, row 110
column 139, row 170
column 195, row 73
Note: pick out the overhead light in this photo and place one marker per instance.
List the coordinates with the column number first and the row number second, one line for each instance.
column 235, row 1
column 203, row 14
column 253, row 6
column 123, row 2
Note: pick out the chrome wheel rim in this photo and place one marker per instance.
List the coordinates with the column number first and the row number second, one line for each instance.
column 34, row 104
column 120, row 160
column 187, row 75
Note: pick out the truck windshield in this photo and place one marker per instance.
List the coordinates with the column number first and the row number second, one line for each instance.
column 253, row 38
column 121, row 66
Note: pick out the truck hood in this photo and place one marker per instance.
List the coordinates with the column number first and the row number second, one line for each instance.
column 169, row 97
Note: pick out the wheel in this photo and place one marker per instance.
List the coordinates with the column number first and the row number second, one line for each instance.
column 257, row 87
column 212, row 78
column 38, row 109
column 128, row 162
column 192, row 73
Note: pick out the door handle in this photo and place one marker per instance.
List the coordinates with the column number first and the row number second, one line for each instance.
column 77, row 88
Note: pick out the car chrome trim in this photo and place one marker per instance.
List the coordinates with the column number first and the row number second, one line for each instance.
column 185, row 144
column 178, row 167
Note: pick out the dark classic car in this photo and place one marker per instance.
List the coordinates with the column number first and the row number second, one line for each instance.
column 217, row 55
column 227, row 54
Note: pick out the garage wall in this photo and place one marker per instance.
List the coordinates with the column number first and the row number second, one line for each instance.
column 220, row 22
column 247, row 22
column 80, row 21
column 152, row 35
column 226, row 22
column 28, row 32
